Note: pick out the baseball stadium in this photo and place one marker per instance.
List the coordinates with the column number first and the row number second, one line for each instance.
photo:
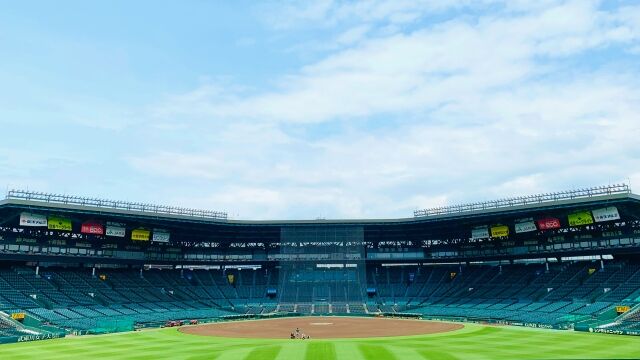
column 544, row 276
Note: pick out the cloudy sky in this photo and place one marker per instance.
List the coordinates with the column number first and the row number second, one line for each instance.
column 332, row 109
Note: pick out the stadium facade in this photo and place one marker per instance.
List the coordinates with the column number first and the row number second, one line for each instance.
column 562, row 260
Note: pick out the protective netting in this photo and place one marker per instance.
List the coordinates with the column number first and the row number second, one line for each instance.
column 322, row 265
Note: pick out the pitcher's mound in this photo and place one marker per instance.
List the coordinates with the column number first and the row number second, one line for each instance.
column 321, row 328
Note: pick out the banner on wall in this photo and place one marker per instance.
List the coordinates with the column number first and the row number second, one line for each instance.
column 621, row 309
column 606, row 214
column 140, row 235
column 481, row 232
column 161, row 236
column 549, row 223
column 580, row 218
column 59, row 223
column 115, row 229
column 525, row 225
column 231, row 278
column 499, row 231
column 29, row 219
column 92, row 228
column 18, row 316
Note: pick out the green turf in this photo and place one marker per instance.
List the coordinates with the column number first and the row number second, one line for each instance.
column 472, row 342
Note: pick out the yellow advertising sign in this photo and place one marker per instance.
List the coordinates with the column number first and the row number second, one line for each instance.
column 580, row 218
column 453, row 275
column 58, row 223
column 499, row 231
column 622, row 309
column 18, row 316
column 140, row 235
column 591, row 271
column 231, row 278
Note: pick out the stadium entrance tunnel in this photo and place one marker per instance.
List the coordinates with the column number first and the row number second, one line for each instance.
column 321, row 328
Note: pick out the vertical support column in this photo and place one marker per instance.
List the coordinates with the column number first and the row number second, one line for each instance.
column 601, row 263
column 141, row 273
column 181, row 273
column 37, row 270
column 460, row 268
column 500, row 268
column 546, row 265
column 93, row 271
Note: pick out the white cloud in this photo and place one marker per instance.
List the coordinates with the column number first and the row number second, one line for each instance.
column 328, row 13
column 353, row 35
column 447, row 63
column 472, row 108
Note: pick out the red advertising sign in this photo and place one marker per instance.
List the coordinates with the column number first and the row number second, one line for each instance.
column 92, row 228
column 549, row 223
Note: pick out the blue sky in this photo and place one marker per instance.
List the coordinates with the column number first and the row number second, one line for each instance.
column 333, row 109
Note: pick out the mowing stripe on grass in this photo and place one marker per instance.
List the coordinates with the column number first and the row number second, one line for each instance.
column 375, row 352
column 264, row 353
column 432, row 354
column 320, row 351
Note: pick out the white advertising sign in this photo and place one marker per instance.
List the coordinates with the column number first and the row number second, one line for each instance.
column 29, row 219
column 115, row 229
column 606, row 214
column 480, row 233
column 525, row 225
column 160, row 236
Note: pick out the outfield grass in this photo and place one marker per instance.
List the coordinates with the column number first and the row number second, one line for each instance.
column 472, row 342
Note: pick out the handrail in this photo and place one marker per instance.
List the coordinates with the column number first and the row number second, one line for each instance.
column 113, row 204
column 525, row 200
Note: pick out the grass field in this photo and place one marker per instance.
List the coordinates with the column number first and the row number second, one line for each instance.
column 472, row 342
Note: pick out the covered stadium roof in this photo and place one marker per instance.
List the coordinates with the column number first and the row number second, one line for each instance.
column 36, row 201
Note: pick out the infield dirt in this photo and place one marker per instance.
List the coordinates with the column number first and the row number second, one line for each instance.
column 321, row 328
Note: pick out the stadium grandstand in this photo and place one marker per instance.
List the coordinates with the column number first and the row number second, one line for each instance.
column 74, row 265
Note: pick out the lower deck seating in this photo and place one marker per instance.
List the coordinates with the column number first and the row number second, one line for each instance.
column 565, row 293
column 10, row 329
column 339, row 309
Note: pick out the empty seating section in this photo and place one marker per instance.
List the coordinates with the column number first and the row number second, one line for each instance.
column 12, row 329
column 339, row 309
column 303, row 308
column 75, row 299
column 565, row 293
column 308, row 284
column 254, row 310
column 629, row 321
column 357, row 309
column 321, row 309
column 372, row 308
column 286, row 308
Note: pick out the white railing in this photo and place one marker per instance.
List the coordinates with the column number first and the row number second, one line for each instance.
column 113, row 204
column 525, row 200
